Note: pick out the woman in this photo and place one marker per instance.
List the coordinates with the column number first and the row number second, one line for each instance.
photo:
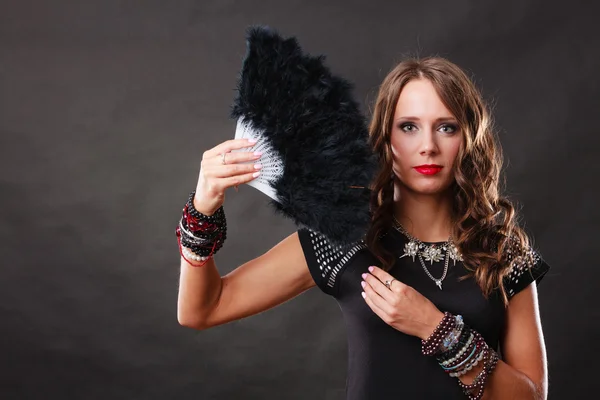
column 440, row 297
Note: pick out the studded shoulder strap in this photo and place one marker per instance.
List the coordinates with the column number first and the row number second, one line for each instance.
column 326, row 260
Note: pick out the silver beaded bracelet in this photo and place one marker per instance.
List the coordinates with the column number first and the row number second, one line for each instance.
column 452, row 338
column 470, row 366
column 460, row 353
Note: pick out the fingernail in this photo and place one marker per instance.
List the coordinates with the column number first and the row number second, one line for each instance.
column 252, row 140
column 257, row 166
column 371, row 269
column 256, row 174
column 258, row 153
column 364, row 276
column 362, row 283
column 363, row 295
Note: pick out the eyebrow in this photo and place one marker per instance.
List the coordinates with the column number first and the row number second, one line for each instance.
column 441, row 119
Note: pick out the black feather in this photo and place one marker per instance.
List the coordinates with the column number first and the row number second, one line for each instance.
column 309, row 117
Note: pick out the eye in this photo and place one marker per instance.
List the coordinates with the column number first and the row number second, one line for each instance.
column 448, row 128
column 408, row 127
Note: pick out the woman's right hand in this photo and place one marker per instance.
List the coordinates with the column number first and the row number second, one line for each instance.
column 215, row 176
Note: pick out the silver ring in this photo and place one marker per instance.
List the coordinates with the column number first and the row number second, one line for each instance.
column 388, row 283
column 223, row 158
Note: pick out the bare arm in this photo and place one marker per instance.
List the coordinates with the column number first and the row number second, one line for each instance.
column 206, row 299
column 523, row 372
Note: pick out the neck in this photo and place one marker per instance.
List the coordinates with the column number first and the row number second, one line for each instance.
column 426, row 217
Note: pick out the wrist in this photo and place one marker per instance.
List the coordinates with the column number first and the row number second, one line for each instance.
column 432, row 323
column 201, row 206
column 202, row 209
column 199, row 235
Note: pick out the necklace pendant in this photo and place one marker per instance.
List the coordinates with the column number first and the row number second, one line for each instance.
column 454, row 254
column 411, row 249
column 432, row 254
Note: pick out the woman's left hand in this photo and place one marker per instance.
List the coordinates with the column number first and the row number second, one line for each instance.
column 400, row 306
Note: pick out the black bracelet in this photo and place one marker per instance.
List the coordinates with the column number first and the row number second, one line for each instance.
column 217, row 218
column 202, row 234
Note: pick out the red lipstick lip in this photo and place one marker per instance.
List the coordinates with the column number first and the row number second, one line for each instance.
column 428, row 169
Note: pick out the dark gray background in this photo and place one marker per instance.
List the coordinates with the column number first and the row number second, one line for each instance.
column 105, row 110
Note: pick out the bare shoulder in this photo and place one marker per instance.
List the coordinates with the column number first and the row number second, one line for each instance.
column 264, row 282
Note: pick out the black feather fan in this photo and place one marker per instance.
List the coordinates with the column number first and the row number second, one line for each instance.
column 312, row 127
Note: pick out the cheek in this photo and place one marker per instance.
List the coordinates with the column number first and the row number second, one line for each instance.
column 401, row 150
column 454, row 150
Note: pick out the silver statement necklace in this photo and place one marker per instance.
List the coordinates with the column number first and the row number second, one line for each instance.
column 432, row 253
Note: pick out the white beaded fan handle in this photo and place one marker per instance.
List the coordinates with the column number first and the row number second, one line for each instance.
column 272, row 168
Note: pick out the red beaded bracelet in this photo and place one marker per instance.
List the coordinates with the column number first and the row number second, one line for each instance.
column 431, row 345
column 200, row 236
column 474, row 391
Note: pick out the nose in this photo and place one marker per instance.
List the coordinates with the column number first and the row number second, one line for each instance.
column 429, row 143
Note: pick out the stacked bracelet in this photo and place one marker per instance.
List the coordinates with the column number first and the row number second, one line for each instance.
column 475, row 390
column 452, row 338
column 431, row 345
column 200, row 236
column 458, row 349
column 448, row 358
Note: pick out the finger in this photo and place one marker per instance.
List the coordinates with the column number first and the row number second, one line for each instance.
column 227, row 146
column 237, row 180
column 384, row 276
column 381, row 303
column 374, row 306
column 379, row 287
column 236, row 157
column 226, row 171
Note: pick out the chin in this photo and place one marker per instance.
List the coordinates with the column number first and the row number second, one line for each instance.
column 429, row 188
column 429, row 191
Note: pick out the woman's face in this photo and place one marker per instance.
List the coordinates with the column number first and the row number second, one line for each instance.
column 425, row 139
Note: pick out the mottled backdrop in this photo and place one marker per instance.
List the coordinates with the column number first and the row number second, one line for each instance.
column 105, row 109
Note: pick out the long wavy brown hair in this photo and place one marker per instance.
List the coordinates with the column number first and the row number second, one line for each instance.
column 485, row 226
